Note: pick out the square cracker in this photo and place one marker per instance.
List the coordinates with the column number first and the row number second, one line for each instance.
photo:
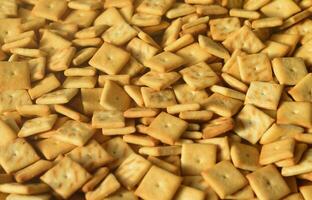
column 91, row 100
column 14, row 76
column 24, row 189
column 196, row 158
column 224, row 178
column 83, row 18
column 158, row 181
column 114, row 97
column 108, row 186
column 264, row 95
column 243, row 39
column 164, row 62
column 251, row 123
column 158, row 80
column 193, row 54
column 66, row 177
column 268, row 183
column 141, row 50
column 276, row 151
column 289, row 70
column 9, row 27
column 51, row 42
column 109, row 59
column 132, row 170
column 60, row 96
column 119, row 34
column 199, row 76
column 9, row 99
column 90, row 156
column 222, row 143
column 108, row 119
column 302, row 91
column 296, row 113
column 12, row 155
column 74, row 132
column 255, row 67
column 50, row 9
column 302, row 167
column 158, row 99
column 222, row 105
column 158, row 7
column 280, row 8
column 185, row 193
column 37, row 125
column 185, row 94
column 213, row 47
column 245, row 156
column 221, row 28
column 167, row 128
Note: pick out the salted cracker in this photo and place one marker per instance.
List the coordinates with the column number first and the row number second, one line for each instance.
column 159, row 80
column 185, row 94
column 24, row 189
column 158, row 99
column 108, row 119
column 245, row 156
column 217, row 127
column 60, row 96
column 302, row 90
column 37, row 125
column 51, row 9
column 32, row 171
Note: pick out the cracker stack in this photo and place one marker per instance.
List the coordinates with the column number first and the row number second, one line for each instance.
column 155, row 99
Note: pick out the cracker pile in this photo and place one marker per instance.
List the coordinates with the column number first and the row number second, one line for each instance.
column 155, row 99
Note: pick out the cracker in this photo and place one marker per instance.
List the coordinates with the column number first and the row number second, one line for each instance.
column 141, row 50
column 13, row 155
column 158, row 99
column 51, row 148
column 296, row 113
column 108, row 119
column 254, row 4
column 196, row 158
column 243, row 39
column 160, row 150
column 105, row 17
column 140, row 140
column 49, row 83
column 132, row 170
column 158, row 181
column 132, row 68
column 223, row 27
column 83, row 55
column 83, row 18
column 167, row 128
column 80, row 82
column 245, row 156
column 181, row 42
column 37, row 125
column 135, row 93
column 128, row 129
column 264, row 95
column 172, row 32
column 113, row 97
column 185, row 94
column 91, row 156
column 234, row 83
column 288, row 39
column 241, row 13
column 194, row 54
column 306, row 191
column 289, row 70
column 8, row 134
column 66, row 177
column 119, row 34
column 14, row 76
column 186, row 192
column 109, row 59
column 222, row 144
column 159, row 81
column 251, row 123
column 231, row 66
column 227, row 92
column 200, row 115
column 26, row 189
column 9, row 8
column 298, row 152
column 275, row 49
column 37, row 68
column 280, row 8
column 264, row 182
column 280, row 131
column 98, row 176
column 84, row 5
column 302, row 167
column 60, row 96
column 121, row 79
column 144, row 19
column 180, row 9
column 70, row 113
column 83, row 71
column 155, row 8
column 91, row 32
column 217, row 127
column 302, row 90
column 164, row 164
column 277, row 151
column 60, row 60
column 51, row 9
column 213, row 47
column 147, row 38
column 91, row 100
column 255, row 67
column 32, row 171
column 224, row 178
column 199, row 76
column 51, row 42
column 182, row 107
column 164, row 62
column 117, row 148
column 108, row 186
column 138, row 112
column 74, row 132
column 222, row 105
column 28, row 197
column 267, row 22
